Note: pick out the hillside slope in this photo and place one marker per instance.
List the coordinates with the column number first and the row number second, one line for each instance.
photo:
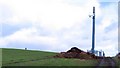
column 17, row 57
column 11, row 56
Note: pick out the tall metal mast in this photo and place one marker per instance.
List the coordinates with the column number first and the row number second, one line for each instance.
column 93, row 33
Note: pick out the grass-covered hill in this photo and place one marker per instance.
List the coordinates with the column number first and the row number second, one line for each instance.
column 117, row 59
column 19, row 57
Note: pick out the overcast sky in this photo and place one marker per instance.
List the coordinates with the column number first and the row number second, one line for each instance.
column 58, row 25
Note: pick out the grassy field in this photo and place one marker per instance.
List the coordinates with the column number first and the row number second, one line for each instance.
column 117, row 61
column 17, row 57
column 0, row 57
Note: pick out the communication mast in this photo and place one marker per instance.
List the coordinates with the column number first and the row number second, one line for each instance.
column 96, row 52
column 93, row 31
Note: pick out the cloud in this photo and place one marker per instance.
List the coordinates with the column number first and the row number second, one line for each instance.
column 51, row 14
column 57, row 25
column 32, row 39
column 109, row 1
column 29, row 35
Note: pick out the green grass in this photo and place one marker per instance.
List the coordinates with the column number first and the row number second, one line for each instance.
column 118, row 60
column 0, row 57
column 57, row 62
column 17, row 57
